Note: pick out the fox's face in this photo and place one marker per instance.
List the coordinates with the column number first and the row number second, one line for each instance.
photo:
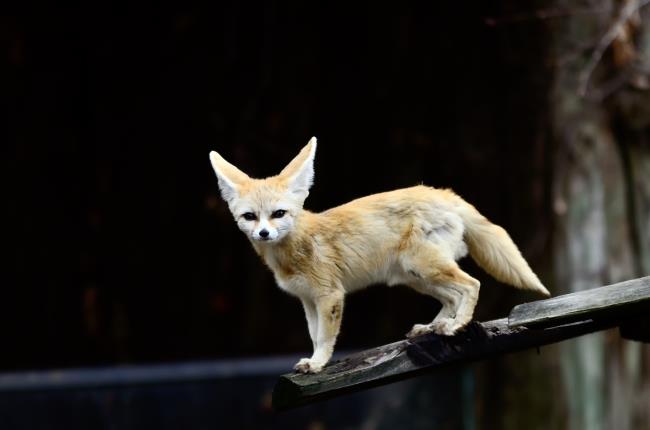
column 266, row 209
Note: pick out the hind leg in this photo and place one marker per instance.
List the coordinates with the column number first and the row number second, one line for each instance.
column 467, row 289
column 458, row 296
column 442, row 279
column 450, row 302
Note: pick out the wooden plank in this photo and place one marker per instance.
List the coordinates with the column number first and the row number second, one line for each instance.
column 627, row 297
column 410, row 358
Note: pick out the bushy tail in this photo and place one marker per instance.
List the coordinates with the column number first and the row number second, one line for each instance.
column 495, row 252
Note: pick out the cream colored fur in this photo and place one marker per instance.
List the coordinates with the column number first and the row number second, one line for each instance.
column 411, row 236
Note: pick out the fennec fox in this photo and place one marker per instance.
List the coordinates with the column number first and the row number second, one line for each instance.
column 411, row 236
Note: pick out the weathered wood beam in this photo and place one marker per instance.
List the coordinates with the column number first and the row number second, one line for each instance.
column 624, row 298
column 530, row 325
column 409, row 358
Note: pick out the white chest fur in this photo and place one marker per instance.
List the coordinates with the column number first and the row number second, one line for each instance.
column 295, row 284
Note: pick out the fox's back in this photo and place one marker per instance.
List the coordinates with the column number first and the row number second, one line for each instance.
column 415, row 207
column 408, row 196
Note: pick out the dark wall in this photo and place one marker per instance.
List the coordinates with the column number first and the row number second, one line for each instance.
column 120, row 248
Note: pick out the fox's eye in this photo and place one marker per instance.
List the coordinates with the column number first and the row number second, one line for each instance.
column 249, row 216
column 278, row 214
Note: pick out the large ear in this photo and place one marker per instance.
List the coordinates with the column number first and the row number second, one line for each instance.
column 229, row 177
column 300, row 171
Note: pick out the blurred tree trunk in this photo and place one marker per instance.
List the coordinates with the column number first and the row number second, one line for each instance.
column 599, row 122
column 601, row 200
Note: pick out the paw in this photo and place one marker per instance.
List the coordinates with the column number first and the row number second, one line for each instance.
column 307, row 365
column 419, row 330
column 442, row 327
column 446, row 326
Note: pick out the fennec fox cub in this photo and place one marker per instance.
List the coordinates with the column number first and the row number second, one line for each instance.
column 411, row 236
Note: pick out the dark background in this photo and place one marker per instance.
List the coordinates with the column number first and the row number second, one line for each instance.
column 118, row 246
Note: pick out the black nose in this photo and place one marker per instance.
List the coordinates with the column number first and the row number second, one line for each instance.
column 264, row 233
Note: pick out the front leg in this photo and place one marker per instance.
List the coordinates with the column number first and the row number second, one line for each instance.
column 329, row 309
column 312, row 320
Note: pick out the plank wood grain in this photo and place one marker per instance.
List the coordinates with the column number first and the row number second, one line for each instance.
column 623, row 298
